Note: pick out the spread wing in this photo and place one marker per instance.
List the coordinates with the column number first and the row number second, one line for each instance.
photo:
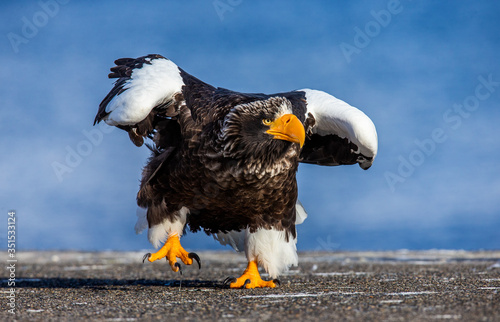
column 149, row 91
column 337, row 132
column 147, row 97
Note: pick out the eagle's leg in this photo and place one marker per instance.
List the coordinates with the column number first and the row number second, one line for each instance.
column 171, row 251
column 251, row 278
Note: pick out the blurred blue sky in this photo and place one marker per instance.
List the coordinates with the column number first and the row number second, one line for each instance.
column 426, row 72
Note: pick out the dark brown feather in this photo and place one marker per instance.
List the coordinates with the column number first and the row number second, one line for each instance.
column 251, row 185
column 221, row 193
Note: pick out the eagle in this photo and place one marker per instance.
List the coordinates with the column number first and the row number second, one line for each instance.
column 225, row 162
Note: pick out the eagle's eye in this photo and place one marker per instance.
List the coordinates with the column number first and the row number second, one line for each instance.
column 267, row 121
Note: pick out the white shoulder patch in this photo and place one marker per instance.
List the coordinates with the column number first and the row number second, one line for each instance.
column 147, row 87
column 334, row 116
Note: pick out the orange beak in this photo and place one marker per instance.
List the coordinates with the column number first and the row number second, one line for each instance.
column 288, row 128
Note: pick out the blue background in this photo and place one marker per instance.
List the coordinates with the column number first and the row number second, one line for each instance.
column 406, row 64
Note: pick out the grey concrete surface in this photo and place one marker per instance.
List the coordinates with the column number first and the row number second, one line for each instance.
column 349, row 286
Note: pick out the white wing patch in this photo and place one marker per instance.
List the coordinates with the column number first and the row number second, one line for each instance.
column 334, row 116
column 147, row 87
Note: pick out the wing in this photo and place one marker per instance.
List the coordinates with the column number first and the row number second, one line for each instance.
column 337, row 132
column 147, row 93
column 150, row 90
column 147, row 97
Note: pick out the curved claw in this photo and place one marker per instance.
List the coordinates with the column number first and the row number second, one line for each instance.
column 229, row 280
column 247, row 281
column 277, row 281
column 196, row 258
column 179, row 268
column 146, row 256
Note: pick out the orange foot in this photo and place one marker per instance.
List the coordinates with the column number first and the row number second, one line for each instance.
column 171, row 251
column 250, row 279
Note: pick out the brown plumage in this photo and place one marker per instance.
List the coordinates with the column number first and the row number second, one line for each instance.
column 188, row 168
column 224, row 156
column 222, row 181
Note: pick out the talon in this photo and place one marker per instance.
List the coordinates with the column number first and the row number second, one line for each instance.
column 172, row 250
column 247, row 281
column 229, row 280
column 251, row 278
column 277, row 281
column 179, row 269
column 196, row 258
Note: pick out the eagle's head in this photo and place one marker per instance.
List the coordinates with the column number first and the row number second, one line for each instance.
column 263, row 129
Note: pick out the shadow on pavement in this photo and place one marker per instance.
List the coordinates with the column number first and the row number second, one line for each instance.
column 93, row 283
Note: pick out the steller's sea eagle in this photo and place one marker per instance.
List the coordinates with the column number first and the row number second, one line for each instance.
column 225, row 161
